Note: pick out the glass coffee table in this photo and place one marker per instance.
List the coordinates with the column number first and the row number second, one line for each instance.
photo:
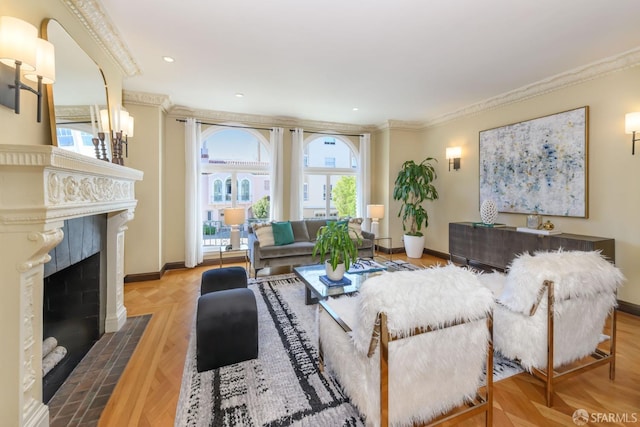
column 315, row 290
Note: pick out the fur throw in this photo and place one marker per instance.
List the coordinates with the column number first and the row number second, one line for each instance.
column 429, row 373
column 574, row 274
column 584, row 286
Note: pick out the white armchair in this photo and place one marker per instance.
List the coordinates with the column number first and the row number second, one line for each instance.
column 412, row 346
column 581, row 288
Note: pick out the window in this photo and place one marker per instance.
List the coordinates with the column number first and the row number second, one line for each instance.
column 65, row 138
column 217, row 191
column 330, row 164
column 324, row 192
column 235, row 170
column 244, row 190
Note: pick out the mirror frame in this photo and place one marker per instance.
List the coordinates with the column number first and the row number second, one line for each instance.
column 49, row 88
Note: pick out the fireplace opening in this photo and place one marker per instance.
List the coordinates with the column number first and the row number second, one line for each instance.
column 70, row 319
column 74, row 304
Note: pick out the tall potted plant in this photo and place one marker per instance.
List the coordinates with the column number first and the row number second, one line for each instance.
column 337, row 248
column 414, row 185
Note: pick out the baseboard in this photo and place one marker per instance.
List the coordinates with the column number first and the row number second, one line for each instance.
column 438, row 254
column 629, row 307
column 143, row 277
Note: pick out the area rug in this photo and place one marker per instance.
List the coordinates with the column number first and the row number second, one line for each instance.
column 283, row 387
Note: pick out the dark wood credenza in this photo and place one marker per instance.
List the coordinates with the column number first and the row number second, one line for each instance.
column 497, row 247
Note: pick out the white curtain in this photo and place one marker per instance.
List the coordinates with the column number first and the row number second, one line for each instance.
column 277, row 175
column 364, row 177
column 297, row 174
column 193, row 212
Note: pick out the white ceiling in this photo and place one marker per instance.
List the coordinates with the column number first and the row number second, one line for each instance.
column 410, row 60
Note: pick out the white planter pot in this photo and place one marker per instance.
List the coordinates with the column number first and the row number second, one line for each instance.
column 413, row 246
column 336, row 274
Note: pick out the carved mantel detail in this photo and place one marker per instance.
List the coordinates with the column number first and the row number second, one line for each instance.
column 70, row 188
column 45, row 241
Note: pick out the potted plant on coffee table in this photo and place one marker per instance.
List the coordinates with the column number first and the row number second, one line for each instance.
column 337, row 247
column 414, row 185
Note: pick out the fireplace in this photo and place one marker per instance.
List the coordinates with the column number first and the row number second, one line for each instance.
column 41, row 188
column 74, row 299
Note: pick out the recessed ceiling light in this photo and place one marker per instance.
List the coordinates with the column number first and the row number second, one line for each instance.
column 355, row 108
column 168, row 59
column 239, row 95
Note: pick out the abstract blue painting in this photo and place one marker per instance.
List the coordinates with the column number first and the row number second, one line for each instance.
column 537, row 166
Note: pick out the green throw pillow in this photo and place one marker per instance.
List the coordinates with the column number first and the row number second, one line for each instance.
column 282, row 233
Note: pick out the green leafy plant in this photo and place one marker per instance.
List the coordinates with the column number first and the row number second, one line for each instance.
column 261, row 208
column 344, row 196
column 337, row 243
column 413, row 186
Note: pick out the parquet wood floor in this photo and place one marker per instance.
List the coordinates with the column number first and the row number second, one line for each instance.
column 147, row 393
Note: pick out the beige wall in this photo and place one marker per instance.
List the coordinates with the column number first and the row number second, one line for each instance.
column 614, row 200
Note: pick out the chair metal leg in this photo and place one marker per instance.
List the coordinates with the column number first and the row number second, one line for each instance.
column 384, row 371
column 550, row 328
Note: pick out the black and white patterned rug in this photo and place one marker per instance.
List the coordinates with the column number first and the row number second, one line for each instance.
column 284, row 386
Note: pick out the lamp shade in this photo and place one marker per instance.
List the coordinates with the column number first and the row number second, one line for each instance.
column 129, row 128
column 18, row 43
column 234, row 216
column 375, row 211
column 45, row 63
column 632, row 122
column 453, row 152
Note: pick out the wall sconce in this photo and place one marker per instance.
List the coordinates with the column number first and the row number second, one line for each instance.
column 453, row 154
column 22, row 50
column 234, row 217
column 632, row 125
column 375, row 212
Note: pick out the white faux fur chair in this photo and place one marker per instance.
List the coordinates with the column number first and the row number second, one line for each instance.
column 581, row 287
column 415, row 346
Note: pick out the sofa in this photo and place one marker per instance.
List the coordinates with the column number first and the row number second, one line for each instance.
column 267, row 247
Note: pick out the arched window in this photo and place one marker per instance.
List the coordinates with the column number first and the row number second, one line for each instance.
column 245, row 190
column 217, row 190
column 330, row 178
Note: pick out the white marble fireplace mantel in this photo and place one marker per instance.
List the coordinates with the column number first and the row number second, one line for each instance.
column 40, row 187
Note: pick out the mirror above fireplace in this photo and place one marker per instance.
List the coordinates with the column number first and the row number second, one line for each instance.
column 79, row 85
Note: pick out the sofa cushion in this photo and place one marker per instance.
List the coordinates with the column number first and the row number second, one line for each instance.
column 300, row 233
column 282, row 233
column 291, row 250
column 264, row 233
column 313, row 225
column 355, row 226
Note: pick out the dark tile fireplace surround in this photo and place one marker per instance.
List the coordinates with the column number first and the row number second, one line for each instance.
column 74, row 306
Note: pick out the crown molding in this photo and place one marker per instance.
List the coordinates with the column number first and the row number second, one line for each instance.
column 268, row 121
column 148, row 99
column 594, row 70
column 400, row 125
column 98, row 23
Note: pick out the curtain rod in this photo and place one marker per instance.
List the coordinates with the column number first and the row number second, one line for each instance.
column 326, row 133
column 226, row 126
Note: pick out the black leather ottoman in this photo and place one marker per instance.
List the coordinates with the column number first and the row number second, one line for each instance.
column 226, row 322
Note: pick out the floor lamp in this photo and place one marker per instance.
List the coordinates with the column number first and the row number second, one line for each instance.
column 375, row 212
column 234, row 217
